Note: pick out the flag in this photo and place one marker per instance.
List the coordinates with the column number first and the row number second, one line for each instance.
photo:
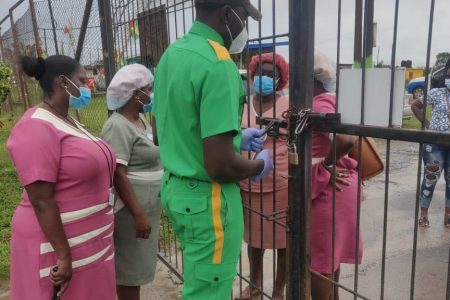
column 69, row 33
column 134, row 29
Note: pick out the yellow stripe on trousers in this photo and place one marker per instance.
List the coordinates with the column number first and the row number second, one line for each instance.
column 217, row 220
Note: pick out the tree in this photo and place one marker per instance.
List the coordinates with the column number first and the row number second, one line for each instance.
column 441, row 60
column 5, row 84
column 381, row 64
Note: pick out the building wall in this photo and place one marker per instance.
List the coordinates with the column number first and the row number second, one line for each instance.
column 412, row 73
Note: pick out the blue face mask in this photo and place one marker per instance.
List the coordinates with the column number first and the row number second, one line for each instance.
column 82, row 101
column 264, row 85
column 147, row 107
column 447, row 83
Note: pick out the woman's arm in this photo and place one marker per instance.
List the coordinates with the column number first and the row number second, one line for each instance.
column 41, row 195
column 123, row 187
column 344, row 143
column 417, row 109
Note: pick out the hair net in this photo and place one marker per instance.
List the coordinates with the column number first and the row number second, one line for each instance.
column 126, row 81
column 280, row 62
column 324, row 71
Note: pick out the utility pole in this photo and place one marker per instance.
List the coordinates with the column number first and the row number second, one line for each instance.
column 357, row 53
column 368, row 26
column 364, row 35
column 104, row 10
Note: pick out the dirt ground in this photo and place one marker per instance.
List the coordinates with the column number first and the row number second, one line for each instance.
column 433, row 244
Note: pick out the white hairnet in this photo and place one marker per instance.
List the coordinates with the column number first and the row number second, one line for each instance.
column 126, row 81
column 324, row 71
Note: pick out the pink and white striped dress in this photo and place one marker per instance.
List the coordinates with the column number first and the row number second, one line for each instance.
column 44, row 148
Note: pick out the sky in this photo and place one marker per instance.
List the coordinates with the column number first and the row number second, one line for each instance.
column 412, row 27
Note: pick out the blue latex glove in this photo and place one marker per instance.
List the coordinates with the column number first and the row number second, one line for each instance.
column 268, row 164
column 252, row 139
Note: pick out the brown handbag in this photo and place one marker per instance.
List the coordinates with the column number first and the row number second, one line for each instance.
column 372, row 165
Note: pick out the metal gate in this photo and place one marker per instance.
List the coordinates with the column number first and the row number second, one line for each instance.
column 159, row 23
column 302, row 22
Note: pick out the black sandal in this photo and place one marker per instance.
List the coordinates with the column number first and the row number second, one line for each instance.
column 424, row 222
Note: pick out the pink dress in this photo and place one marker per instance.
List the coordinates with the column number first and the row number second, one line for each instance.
column 322, row 203
column 273, row 235
column 44, row 148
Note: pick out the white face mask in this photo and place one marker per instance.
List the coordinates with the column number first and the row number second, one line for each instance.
column 447, row 83
column 239, row 42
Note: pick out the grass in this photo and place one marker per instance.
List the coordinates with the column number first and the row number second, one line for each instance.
column 94, row 116
column 10, row 191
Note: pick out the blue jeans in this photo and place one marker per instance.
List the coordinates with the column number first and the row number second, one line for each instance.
column 435, row 159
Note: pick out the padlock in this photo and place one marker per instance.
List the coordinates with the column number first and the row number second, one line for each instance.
column 293, row 155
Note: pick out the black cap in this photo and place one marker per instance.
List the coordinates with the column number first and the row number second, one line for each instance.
column 251, row 10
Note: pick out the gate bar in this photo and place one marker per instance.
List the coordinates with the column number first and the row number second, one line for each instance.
column 301, row 53
column 448, row 276
column 386, row 133
column 388, row 153
column 419, row 169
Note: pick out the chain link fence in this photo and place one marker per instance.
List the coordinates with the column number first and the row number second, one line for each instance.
column 58, row 27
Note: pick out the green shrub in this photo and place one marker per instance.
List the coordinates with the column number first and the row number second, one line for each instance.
column 5, row 83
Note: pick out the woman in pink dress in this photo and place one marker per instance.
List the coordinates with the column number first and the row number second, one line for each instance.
column 62, row 229
column 260, row 233
column 322, row 191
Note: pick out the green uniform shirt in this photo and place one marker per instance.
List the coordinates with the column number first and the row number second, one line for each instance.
column 198, row 93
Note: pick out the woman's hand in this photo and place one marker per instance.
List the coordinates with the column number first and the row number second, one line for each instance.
column 62, row 273
column 341, row 177
column 142, row 226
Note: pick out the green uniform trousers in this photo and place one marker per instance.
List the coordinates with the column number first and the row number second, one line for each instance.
column 208, row 220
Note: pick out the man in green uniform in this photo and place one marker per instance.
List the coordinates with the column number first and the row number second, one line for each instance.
column 198, row 107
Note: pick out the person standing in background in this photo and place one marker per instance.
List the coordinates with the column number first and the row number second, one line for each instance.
column 321, row 227
column 136, row 180
column 436, row 158
column 268, row 82
column 62, row 228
